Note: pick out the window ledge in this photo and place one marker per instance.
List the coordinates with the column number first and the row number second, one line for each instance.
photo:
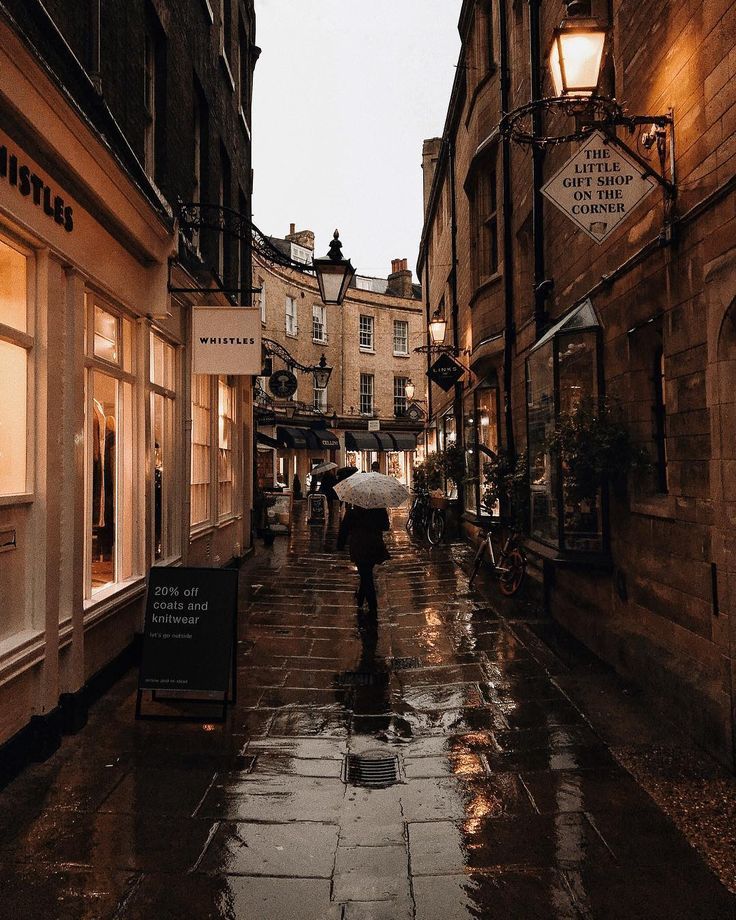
column 659, row 506
column 366, row 351
column 401, row 354
column 201, row 530
column 109, row 600
column 485, row 285
column 21, row 498
column 228, row 72
column 320, row 341
column 569, row 558
column 20, row 652
column 228, row 519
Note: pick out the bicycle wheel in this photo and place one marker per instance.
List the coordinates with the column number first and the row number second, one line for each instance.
column 512, row 578
column 477, row 561
column 436, row 526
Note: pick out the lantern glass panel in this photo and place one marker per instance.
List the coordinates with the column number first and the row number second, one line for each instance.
column 575, row 61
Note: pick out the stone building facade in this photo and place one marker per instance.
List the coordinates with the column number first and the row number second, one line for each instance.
column 113, row 457
column 646, row 318
column 368, row 342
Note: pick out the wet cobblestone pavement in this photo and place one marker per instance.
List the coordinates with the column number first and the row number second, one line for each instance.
column 508, row 803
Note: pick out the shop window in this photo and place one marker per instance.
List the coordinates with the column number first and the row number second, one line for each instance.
column 401, row 337
column 291, row 319
column 15, row 347
column 396, row 465
column 163, row 433
column 448, row 439
column 400, row 396
column 319, row 399
column 473, row 465
column 226, row 448
column 366, row 394
column 319, row 323
column 366, row 333
column 562, row 371
column 201, row 472
column 111, row 449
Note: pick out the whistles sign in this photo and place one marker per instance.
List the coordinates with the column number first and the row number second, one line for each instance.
column 30, row 185
column 226, row 340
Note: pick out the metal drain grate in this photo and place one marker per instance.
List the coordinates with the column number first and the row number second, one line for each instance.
column 376, row 769
column 404, row 664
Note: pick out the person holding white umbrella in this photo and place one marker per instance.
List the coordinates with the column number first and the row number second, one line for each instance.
column 363, row 527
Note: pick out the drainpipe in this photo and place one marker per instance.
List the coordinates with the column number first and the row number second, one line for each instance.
column 458, row 400
column 428, row 309
column 541, row 286
column 508, row 280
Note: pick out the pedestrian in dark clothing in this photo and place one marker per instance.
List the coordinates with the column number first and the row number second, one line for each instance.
column 375, row 467
column 327, row 486
column 362, row 530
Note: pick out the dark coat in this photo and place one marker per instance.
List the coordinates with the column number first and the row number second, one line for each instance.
column 327, row 486
column 362, row 529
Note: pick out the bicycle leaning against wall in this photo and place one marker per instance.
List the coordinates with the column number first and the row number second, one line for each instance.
column 423, row 518
column 509, row 566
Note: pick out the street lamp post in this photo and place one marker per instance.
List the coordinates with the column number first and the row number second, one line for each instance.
column 334, row 273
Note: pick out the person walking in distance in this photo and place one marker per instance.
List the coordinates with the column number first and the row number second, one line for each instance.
column 362, row 529
column 375, row 467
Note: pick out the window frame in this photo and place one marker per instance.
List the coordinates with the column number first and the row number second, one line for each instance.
column 224, row 517
column 397, row 352
column 26, row 340
column 172, row 395
column 367, row 330
column 367, row 390
column 293, row 316
column 320, row 340
column 400, row 400
column 319, row 398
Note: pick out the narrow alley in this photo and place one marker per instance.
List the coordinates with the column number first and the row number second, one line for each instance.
column 505, row 804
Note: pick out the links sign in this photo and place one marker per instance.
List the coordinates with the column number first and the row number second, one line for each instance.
column 599, row 187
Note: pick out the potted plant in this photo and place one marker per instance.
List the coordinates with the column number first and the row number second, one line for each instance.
column 505, row 488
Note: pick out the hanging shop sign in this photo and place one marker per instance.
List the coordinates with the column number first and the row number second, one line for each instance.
column 283, row 384
column 189, row 629
column 445, row 372
column 598, row 187
column 226, row 340
column 414, row 412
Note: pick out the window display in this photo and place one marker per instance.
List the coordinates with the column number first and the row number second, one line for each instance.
column 110, row 449
column 14, row 355
column 226, row 446
column 165, row 542
column 200, row 511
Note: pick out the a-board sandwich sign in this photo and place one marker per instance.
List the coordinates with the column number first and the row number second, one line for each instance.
column 189, row 629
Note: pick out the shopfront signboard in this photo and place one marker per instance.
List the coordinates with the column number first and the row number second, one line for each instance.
column 374, row 424
column 414, row 412
column 283, row 384
column 445, row 372
column 226, row 340
column 599, row 187
column 189, row 631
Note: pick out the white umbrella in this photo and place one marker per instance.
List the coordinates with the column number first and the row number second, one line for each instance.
column 323, row 468
column 372, row 490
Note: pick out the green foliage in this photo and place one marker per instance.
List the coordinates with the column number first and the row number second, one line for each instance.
column 506, row 483
column 594, row 447
column 443, row 465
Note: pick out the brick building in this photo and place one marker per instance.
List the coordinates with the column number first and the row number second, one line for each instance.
column 113, row 457
column 539, row 312
column 368, row 341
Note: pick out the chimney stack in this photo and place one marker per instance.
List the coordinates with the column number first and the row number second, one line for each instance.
column 303, row 238
column 400, row 279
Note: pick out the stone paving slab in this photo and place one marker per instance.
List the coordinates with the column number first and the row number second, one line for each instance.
column 508, row 804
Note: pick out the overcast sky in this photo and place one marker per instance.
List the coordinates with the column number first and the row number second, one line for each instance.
column 345, row 91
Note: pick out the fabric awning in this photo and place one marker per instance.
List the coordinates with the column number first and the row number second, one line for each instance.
column 404, row 440
column 385, row 441
column 265, row 440
column 291, row 437
column 321, row 438
column 361, row 440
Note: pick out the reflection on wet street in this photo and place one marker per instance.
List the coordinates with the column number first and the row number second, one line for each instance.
column 506, row 803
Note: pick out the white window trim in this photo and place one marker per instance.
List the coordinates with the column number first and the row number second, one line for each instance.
column 228, row 516
column 324, row 339
column 401, row 354
column 369, row 349
column 294, row 316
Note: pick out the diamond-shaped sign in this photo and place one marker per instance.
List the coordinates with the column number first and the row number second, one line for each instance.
column 445, row 372
column 598, row 187
column 414, row 412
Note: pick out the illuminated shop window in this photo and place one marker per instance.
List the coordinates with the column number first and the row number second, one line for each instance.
column 226, row 447
column 111, row 449
column 201, row 473
column 15, row 346
column 562, row 370
column 163, row 419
